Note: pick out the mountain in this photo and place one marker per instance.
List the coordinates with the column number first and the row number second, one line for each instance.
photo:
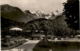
column 16, row 14
column 11, row 12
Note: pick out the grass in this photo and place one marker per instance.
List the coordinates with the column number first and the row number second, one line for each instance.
column 14, row 42
column 57, row 46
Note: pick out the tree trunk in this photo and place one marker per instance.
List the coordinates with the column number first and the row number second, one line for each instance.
column 46, row 40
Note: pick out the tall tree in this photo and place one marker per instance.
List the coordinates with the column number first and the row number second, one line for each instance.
column 71, row 11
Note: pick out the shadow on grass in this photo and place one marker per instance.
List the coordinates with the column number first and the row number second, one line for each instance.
column 57, row 46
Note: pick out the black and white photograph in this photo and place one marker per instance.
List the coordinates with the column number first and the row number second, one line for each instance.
column 39, row 25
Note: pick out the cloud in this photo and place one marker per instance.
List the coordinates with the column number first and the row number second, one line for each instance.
column 33, row 5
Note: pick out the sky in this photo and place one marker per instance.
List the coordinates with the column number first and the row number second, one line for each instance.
column 45, row 6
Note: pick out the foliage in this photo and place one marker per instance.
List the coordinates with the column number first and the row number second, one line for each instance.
column 56, row 27
column 40, row 24
column 71, row 10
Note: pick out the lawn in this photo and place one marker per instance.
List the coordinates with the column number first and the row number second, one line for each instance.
column 57, row 46
column 12, row 42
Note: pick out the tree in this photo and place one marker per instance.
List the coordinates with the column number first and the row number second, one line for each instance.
column 71, row 11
